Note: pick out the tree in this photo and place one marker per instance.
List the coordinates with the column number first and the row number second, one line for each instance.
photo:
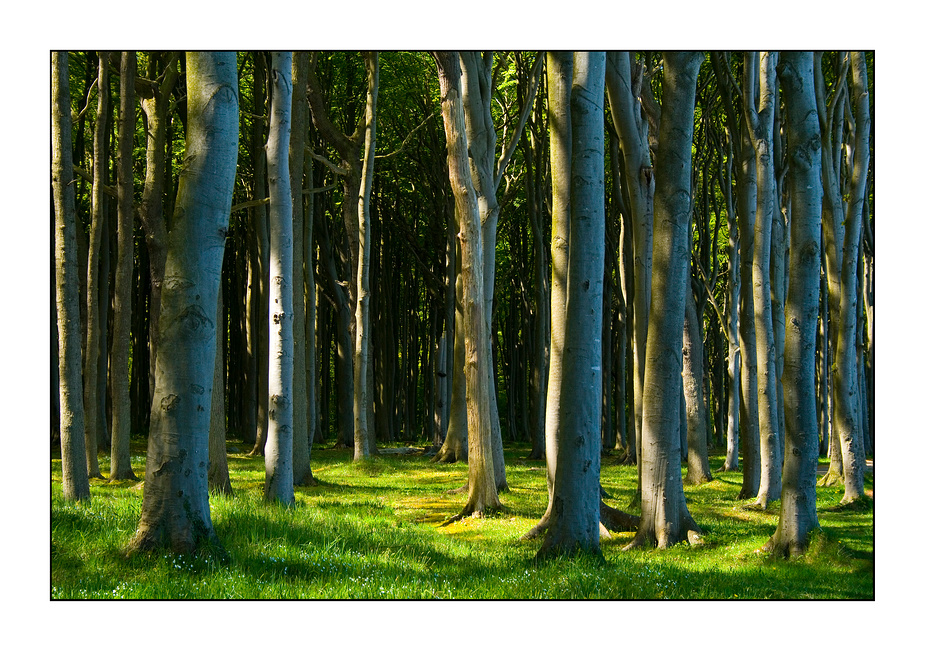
column 121, row 467
column 574, row 522
column 175, row 508
column 278, row 451
column 847, row 389
column 798, row 516
column 483, row 490
column 92, row 350
column 75, row 480
column 665, row 519
column 363, row 439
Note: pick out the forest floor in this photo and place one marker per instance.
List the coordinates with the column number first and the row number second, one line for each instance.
column 373, row 531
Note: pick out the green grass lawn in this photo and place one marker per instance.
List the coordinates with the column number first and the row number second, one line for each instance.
column 372, row 531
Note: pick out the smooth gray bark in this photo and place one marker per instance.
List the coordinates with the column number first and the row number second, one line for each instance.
column 798, row 517
column 665, row 519
column 574, row 522
column 121, row 466
column 175, row 508
column 483, row 489
column 278, row 451
column 75, row 481
column 219, row 479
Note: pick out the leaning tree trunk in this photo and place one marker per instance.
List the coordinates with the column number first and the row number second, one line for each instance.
column 121, row 467
column 75, row 481
column 92, row 350
column 665, row 519
column 278, row 451
column 175, row 507
column 483, row 491
column 798, row 516
column 847, row 391
column 734, row 364
column 574, row 520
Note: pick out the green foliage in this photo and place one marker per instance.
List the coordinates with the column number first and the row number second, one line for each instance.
column 373, row 532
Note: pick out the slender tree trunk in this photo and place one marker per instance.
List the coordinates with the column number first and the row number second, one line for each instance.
column 574, row 520
column 698, row 455
column 75, row 481
column 483, row 489
column 665, row 519
column 847, row 391
column 92, row 351
column 175, row 508
column 122, row 307
column 734, row 364
column 303, row 308
column 219, row 479
column 798, row 516
column 364, row 438
column 278, row 451
column 761, row 129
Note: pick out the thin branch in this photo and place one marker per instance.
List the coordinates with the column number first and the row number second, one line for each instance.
column 408, row 137
column 340, row 171
column 508, row 153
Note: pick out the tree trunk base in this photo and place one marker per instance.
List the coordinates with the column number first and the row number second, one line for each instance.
column 729, row 467
column 830, row 479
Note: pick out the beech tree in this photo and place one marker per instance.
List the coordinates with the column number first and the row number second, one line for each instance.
column 175, row 508
column 798, row 517
column 665, row 519
column 574, row 520
column 483, row 489
column 75, row 479
column 121, row 466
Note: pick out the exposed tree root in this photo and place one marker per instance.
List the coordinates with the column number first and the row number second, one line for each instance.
column 831, row 478
column 628, row 459
column 470, row 512
column 729, row 467
column 617, row 520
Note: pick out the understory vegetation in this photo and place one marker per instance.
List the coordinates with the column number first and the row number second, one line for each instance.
column 372, row 530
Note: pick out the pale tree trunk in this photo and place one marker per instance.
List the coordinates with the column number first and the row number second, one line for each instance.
column 155, row 101
column 574, row 521
column 798, row 517
column 623, row 91
column 761, row 122
column 303, row 346
column 559, row 75
column 364, row 443
column 92, row 350
column 734, row 364
column 75, row 481
column 847, row 391
column 175, row 507
column 698, row 454
column 483, row 489
column 665, row 519
column 219, row 479
column 122, row 305
column 278, row 451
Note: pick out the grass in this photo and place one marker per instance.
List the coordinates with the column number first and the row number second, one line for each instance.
column 371, row 531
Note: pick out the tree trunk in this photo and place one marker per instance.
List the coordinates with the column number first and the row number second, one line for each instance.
column 303, row 302
column 734, row 364
column 761, row 130
column 175, row 508
column 364, row 443
column 219, row 479
column 665, row 519
column 847, row 391
column 121, row 467
column 698, row 454
column 574, row 520
column 798, row 516
column 92, row 351
column 483, row 489
column 278, row 451
column 75, row 482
